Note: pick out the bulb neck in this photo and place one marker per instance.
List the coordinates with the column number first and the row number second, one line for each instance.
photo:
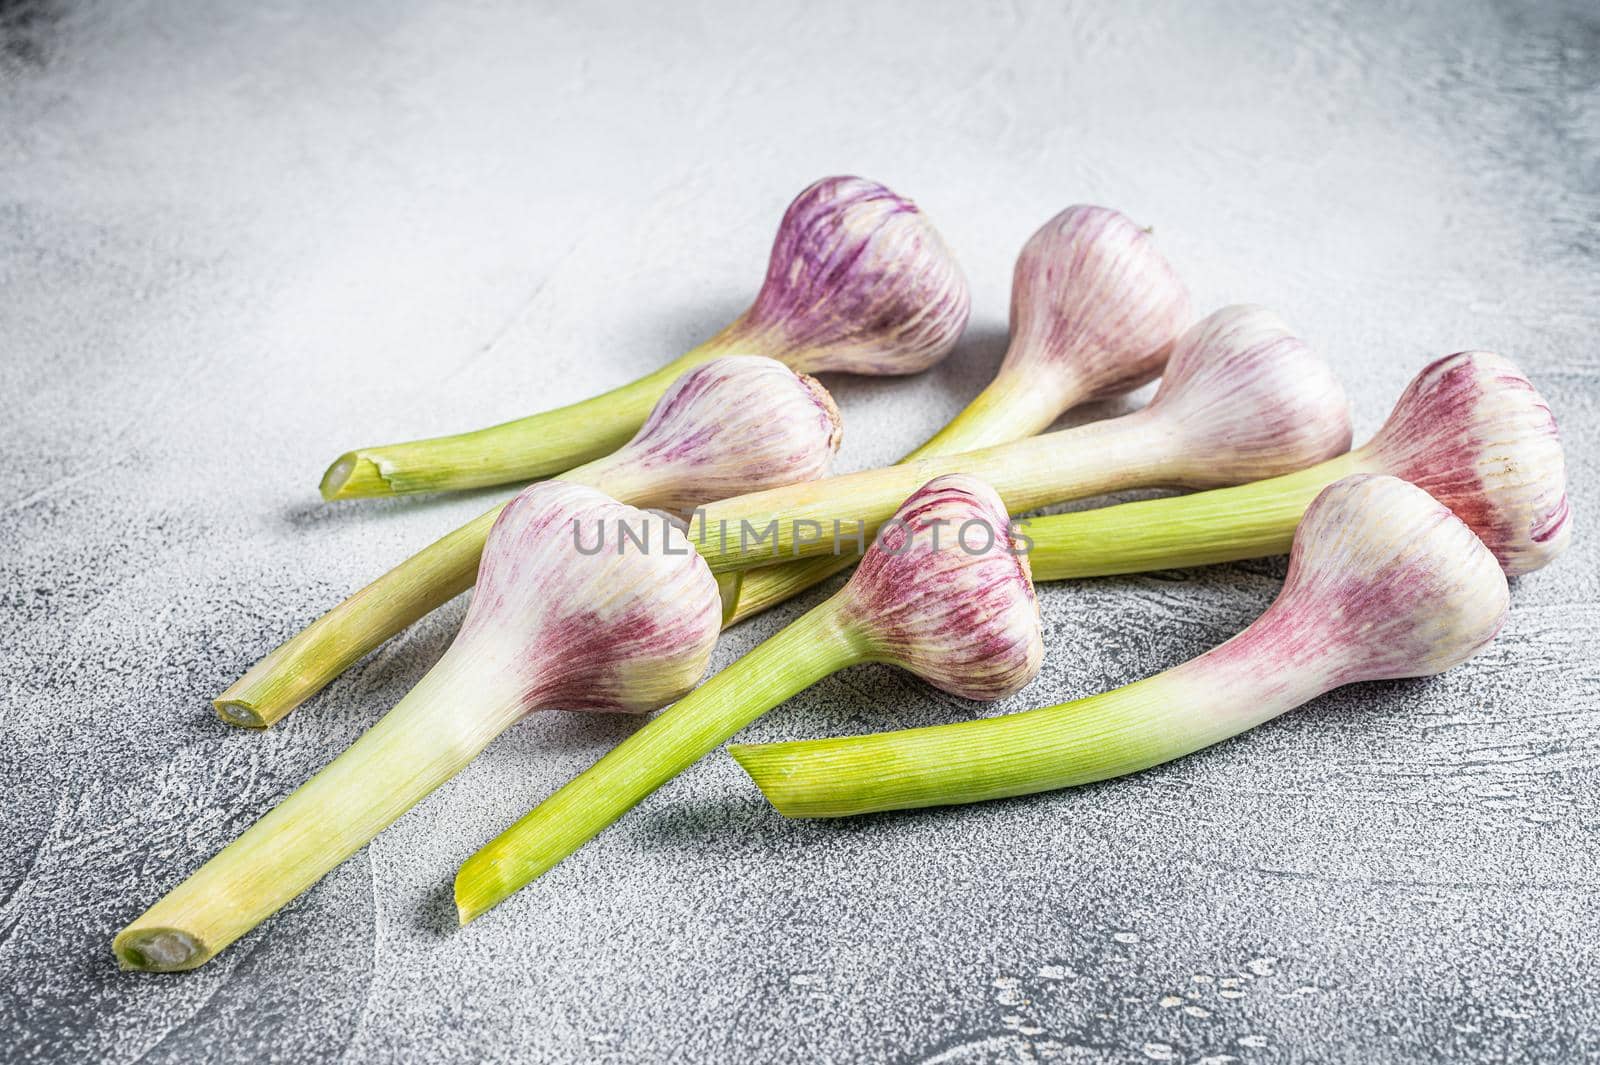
column 1287, row 656
column 1016, row 404
column 748, row 335
column 619, row 476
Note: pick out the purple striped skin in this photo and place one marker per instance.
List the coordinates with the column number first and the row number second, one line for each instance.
column 858, row 282
column 606, row 631
column 1247, row 399
column 1474, row 433
column 1384, row 582
column 737, row 424
column 1095, row 307
column 966, row 621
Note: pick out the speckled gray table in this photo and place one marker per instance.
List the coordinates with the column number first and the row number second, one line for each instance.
column 235, row 242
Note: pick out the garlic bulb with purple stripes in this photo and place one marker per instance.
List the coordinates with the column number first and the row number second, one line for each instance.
column 570, row 613
column 943, row 593
column 858, row 282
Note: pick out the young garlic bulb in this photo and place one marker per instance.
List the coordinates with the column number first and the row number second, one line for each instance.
column 1095, row 300
column 737, row 424
column 567, row 615
column 964, row 620
column 1095, row 311
column 1473, row 432
column 858, row 281
column 628, row 630
column 1243, row 398
column 1384, row 582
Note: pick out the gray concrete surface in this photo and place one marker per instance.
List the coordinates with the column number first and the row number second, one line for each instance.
column 237, row 239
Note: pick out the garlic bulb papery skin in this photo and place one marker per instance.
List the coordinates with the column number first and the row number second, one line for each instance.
column 1383, row 582
column 630, row 629
column 1244, row 400
column 859, row 281
column 1094, row 299
column 1473, row 432
column 734, row 424
column 737, row 424
column 942, row 594
column 567, row 615
column 1095, row 311
column 964, row 620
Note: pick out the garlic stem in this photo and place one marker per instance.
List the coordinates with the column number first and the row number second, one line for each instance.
column 465, row 701
column 1384, row 582
column 1470, row 429
column 797, row 657
column 802, row 519
column 1012, row 406
column 1253, row 520
column 304, row 664
column 1155, row 720
column 519, row 450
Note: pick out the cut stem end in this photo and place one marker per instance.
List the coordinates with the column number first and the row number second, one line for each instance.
column 477, row 890
column 757, row 760
column 158, row 950
column 354, row 476
column 239, row 713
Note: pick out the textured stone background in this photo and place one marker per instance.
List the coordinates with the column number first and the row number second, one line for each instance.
column 235, row 242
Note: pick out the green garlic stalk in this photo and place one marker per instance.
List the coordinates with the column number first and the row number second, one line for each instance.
column 959, row 614
column 858, row 282
column 566, row 615
column 1384, row 582
column 1470, row 428
column 736, row 424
